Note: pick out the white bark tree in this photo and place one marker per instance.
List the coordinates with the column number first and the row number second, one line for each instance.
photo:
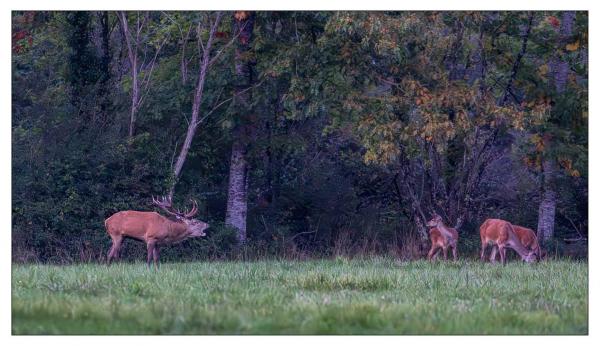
column 137, row 45
column 205, row 61
column 560, row 71
column 237, row 198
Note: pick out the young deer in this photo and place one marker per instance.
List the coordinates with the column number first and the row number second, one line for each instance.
column 442, row 238
column 528, row 239
column 501, row 233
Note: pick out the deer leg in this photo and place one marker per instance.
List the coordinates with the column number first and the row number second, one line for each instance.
column 502, row 251
column 110, row 254
column 156, row 256
column 117, row 253
column 432, row 252
column 483, row 246
column 150, row 246
column 114, row 250
column 445, row 248
column 438, row 251
column 494, row 254
column 454, row 252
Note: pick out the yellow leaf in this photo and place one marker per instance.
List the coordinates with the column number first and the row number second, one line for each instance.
column 573, row 46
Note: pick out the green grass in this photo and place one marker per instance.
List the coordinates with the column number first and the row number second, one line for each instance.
column 377, row 296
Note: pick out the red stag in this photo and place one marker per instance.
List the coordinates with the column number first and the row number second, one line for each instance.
column 153, row 228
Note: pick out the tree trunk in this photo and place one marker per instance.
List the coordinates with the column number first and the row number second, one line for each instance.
column 135, row 97
column 508, row 90
column 105, row 58
column 133, row 61
column 560, row 71
column 195, row 121
column 237, row 199
column 547, row 207
column 561, row 66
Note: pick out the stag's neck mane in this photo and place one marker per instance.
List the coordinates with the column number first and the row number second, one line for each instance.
column 172, row 218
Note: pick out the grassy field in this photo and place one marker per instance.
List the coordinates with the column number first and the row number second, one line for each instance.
column 377, row 296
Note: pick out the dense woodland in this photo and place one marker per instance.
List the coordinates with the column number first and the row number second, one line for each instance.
column 300, row 134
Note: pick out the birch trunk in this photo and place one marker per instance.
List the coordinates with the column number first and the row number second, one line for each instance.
column 237, row 197
column 560, row 71
column 133, row 60
column 199, row 91
column 547, row 208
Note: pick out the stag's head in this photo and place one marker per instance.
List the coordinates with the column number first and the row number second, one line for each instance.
column 435, row 221
column 194, row 226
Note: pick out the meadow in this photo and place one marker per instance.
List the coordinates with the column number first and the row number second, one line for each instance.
column 340, row 296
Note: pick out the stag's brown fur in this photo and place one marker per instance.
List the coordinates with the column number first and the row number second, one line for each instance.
column 151, row 228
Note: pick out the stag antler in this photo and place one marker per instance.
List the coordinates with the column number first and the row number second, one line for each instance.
column 166, row 204
column 194, row 210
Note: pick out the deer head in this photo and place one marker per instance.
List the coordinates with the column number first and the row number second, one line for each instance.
column 435, row 221
column 531, row 257
column 195, row 227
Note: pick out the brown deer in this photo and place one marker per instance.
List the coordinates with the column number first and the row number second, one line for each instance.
column 442, row 238
column 501, row 233
column 153, row 228
column 528, row 239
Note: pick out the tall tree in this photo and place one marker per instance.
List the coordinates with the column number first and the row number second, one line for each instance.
column 138, row 41
column 237, row 199
column 82, row 70
column 205, row 60
column 560, row 71
column 105, row 60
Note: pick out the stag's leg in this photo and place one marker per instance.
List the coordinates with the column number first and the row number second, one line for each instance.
column 454, row 252
column 445, row 248
column 156, row 256
column 150, row 246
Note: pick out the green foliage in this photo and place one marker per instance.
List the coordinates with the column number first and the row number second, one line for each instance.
column 357, row 119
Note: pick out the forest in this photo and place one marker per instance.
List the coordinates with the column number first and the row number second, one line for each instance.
column 299, row 134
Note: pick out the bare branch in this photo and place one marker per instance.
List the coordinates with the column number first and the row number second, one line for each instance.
column 199, row 35
column 233, row 39
column 227, row 100
column 125, row 28
column 146, row 80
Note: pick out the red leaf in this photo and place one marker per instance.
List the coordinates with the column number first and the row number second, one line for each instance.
column 555, row 22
